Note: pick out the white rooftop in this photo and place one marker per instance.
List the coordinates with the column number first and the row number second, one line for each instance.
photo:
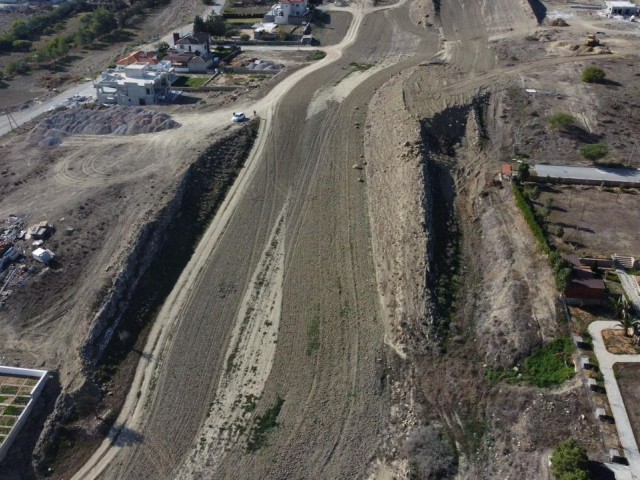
column 620, row 4
column 141, row 74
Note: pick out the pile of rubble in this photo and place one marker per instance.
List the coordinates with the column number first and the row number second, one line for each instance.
column 98, row 120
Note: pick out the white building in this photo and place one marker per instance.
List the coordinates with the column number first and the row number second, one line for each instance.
column 623, row 8
column 287, row 12
column 135, row 84
column 198, row 43
column 42, row 255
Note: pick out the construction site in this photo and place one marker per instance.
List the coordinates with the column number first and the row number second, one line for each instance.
column 349, row 282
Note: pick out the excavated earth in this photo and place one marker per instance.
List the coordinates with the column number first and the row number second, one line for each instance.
column 338, row 316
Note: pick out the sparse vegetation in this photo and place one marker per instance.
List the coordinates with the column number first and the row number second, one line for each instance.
column 594, row 152
column 430, row 454
column 361, row 67
column 183, row 81
column 569, row 461
column 561, row 270
column 8, row 390
column 263, row 425
column 313, row 336
column 316, row 55
column 562, row 121
column 593, row 74
column 547, row 366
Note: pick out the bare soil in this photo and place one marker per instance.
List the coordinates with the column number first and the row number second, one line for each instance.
column 596, row 221
column 616, row 342
column 628, row 377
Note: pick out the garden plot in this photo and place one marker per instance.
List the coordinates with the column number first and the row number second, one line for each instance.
column 15, row 393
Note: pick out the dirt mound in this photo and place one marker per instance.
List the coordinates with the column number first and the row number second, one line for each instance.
column 93, row 120
column 559, row 22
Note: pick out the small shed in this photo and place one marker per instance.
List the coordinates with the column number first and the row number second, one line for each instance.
column 43, row 255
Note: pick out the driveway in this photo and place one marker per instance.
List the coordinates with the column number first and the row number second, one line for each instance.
column 607, row 361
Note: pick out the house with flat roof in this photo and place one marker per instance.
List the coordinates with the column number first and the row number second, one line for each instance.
column 623, row 8
column 136, row 84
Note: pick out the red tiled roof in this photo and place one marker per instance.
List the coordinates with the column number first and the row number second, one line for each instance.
column 139, row 57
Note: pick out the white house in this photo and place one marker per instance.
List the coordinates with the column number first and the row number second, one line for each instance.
column 623, row 8
column 135, row 84
column 198, row 43
column 287, row 12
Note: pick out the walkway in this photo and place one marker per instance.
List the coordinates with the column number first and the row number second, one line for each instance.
column 606, row 361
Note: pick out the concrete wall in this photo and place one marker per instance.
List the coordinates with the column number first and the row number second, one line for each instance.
column 35, row 393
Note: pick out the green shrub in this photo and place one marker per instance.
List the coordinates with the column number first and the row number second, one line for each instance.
column 594, row 151
column 550, row 365
column 547, row 366
column 562, row 121
column 569, row 461
column 592, row 74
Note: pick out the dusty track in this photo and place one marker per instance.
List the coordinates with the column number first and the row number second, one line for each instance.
column 335, row 397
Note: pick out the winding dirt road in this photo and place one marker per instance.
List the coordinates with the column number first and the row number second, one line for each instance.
column 329, row 360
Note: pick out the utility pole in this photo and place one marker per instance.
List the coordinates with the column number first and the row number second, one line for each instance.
column 631, row 156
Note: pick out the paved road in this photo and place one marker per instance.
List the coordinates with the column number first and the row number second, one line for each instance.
column 630, row 286
column 22, row 116
column 607, row 361
column 626, row 175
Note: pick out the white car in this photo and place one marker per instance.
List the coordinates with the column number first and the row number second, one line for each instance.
column 238, row 117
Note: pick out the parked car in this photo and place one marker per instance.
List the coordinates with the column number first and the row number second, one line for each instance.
column 238, row 117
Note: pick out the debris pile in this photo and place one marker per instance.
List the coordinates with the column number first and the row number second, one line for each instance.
column 15, row 265
column 98, row 120
column 261, row 65
column 559, row 22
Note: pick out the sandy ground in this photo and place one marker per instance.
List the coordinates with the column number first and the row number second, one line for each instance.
column 342, row 305
column 628, row 382
column 595, row 221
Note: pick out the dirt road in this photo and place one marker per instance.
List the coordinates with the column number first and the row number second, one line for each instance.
column 333, row 400
column 329, row 365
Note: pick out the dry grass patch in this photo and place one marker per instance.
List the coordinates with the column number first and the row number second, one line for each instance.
column 616, row 342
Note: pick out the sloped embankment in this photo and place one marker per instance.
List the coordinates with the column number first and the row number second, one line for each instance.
column 160, row 252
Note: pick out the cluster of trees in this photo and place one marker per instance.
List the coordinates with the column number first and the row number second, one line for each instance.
column 22, row 31
column 569, row 461
column 213, row 25
column 94, row 25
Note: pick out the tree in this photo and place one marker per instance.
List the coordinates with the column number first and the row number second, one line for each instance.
column 535, row 193
column 199, row 25
column 245, row 37
column 216, row 26
column 103, row 21
column 560, row 232
column 592, row 74
column 523, row 171
column 569, row 461
column 282, row 34
column 594, row 152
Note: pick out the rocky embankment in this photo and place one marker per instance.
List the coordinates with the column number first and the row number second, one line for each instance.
column 159, row 252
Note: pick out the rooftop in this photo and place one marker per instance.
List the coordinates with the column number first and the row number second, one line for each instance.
column 620, row 3
column 143, row 74
column 589, row 174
